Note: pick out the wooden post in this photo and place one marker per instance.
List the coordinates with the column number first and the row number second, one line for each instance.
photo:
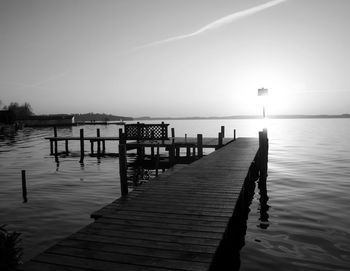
column 163, row 132
column 98, row 142
column 103, row 146
column 66, row 146
column 55, row 135
column 200, row 145
column 173, row 134
column 92, row 147
column 82, row 145
column 172, row 155
column 263, row 153
column 188, row 152
column 223, row 131
column 123, row 170
column 24, row 186
column 138, row 131
column 51, row 146
column 177, row 151
column 122, row 136
column 234, row 134
column 157, row 160
column 152, row 152
column 219, row 140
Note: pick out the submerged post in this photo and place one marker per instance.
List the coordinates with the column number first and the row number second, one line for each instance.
column 234, row 134
column 24, row 186
column 81, row 145
column 123, row 170
column 200, row 145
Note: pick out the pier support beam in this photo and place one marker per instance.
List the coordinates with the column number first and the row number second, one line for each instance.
column 98, row 142
column 123, row 170
column 219, row 140
column 66, row 146
column 200, row 145
column 82, row 145
column 157, row 161
column 263, row 153
column 55, row 135
column 223, row 131
column 172, row 155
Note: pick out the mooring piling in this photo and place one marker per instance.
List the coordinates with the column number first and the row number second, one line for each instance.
column 55, row 135
column 81, row 145
column 263, row 153
column 24, row 186
column 200, row 145
column 220, row 140
column 66, row 146
column 223, row 131
column 98, row 142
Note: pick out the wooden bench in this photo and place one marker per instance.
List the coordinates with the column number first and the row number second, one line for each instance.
column 141, row 131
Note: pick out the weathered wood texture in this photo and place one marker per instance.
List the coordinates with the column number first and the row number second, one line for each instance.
column 174, row 222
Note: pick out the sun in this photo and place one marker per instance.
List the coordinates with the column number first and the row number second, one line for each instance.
column 282, row 90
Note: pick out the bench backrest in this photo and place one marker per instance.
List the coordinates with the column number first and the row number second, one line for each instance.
column 142, row 131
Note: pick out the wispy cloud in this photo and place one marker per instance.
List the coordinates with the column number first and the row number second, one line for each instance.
column 216, row 24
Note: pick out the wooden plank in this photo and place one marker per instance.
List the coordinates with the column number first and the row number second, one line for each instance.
column 174, row 229
column 93, row 243
column 155, row 244
column 123, row 258
column 154, row 234
column 89, row 264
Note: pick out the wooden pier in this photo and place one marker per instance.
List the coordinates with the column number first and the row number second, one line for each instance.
column 185, row 219
column 149, row 134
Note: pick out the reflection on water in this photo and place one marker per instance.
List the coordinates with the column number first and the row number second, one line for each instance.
column 308, row 225
column 263, row 201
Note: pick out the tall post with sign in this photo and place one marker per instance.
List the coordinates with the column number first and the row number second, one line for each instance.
column 263, row 92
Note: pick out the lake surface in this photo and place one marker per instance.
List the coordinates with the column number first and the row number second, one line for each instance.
column 303, row 225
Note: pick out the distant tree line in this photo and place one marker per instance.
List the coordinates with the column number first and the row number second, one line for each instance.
column 20, row 111
column 99, row 117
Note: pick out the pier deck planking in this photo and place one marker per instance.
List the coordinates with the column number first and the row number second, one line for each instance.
column 174, row 222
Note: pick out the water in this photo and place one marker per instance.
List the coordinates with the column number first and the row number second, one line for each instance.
column 308, row 225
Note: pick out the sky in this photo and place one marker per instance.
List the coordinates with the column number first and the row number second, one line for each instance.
column 176, row 58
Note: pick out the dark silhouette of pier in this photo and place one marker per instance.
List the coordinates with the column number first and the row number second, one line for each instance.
column 192, row 217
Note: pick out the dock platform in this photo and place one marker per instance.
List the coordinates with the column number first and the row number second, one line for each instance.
column 177, row 221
